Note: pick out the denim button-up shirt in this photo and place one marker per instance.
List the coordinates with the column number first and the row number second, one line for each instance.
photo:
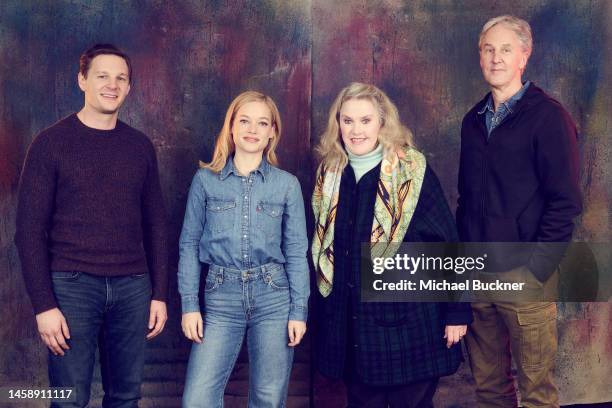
column 242, row 222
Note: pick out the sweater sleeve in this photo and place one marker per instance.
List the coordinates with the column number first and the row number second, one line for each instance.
column 558, row 172
column 154, row 224
column 34, row 214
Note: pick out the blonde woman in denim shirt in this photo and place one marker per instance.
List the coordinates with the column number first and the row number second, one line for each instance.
column 245, row 219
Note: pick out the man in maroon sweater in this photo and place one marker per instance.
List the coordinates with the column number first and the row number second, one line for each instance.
column 91, row 235
column 518, row 182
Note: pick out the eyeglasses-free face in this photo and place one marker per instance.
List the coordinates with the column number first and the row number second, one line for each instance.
column 252, row 128
column 359, row 126
column 502, row 58
column 106, row 85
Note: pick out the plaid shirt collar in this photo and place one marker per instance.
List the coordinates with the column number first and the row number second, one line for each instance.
column 508, row 104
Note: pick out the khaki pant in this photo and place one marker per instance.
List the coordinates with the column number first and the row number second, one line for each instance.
column 527, row 331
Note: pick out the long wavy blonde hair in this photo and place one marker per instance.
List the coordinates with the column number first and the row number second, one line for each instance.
column 225, row 146
column 393, row 135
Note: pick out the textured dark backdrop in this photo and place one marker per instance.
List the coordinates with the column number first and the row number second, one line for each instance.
column 192, row 57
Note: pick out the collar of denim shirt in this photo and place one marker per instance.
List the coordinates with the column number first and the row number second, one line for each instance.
column 263, row 169
column 509, row 104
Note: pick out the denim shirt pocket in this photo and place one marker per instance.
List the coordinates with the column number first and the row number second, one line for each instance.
column 270, row 220
column 220, row 214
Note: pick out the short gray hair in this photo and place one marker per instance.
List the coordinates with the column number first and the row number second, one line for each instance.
column 520, row 27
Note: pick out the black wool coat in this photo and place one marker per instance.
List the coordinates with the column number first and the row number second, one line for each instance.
column 384, row 343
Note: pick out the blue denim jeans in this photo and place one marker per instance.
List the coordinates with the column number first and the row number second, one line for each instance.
column 253, row 301
column 109, row 312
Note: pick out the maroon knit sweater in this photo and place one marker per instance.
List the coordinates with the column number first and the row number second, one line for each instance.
column 90, row 200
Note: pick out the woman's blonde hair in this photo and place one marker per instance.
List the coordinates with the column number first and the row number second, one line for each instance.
column 393, row 135
column 225, row 146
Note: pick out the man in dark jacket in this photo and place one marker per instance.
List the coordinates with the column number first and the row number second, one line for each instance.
column 518, row 182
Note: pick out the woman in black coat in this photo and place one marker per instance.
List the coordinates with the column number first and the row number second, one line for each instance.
column 373, row 186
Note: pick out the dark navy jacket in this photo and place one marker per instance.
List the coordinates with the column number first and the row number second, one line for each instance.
column 384, row 343
column 521, row 183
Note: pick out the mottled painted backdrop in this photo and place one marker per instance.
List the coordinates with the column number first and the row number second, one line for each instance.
column 424, row 55
column 192, row 57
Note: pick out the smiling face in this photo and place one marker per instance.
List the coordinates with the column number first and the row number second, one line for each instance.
column 502, row 58
column 252, row 128
column 106, row 85
column 360, row 124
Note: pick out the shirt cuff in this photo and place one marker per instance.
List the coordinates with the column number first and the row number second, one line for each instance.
column 298, row 313
column 190, row 304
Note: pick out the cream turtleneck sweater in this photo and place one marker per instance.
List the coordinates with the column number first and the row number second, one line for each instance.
column 366, row 162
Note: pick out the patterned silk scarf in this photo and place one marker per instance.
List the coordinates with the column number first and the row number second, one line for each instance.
column 397, row 194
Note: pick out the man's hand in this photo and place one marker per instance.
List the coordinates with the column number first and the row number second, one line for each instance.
column 296, row 330
column 53, row 330
column 157, row 318
column 453, row 334
column 193, row 326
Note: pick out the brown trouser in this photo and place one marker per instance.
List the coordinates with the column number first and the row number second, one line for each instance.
column 527, row 331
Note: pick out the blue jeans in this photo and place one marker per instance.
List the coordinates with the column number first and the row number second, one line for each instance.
column 253, row 301
column 109, row 312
